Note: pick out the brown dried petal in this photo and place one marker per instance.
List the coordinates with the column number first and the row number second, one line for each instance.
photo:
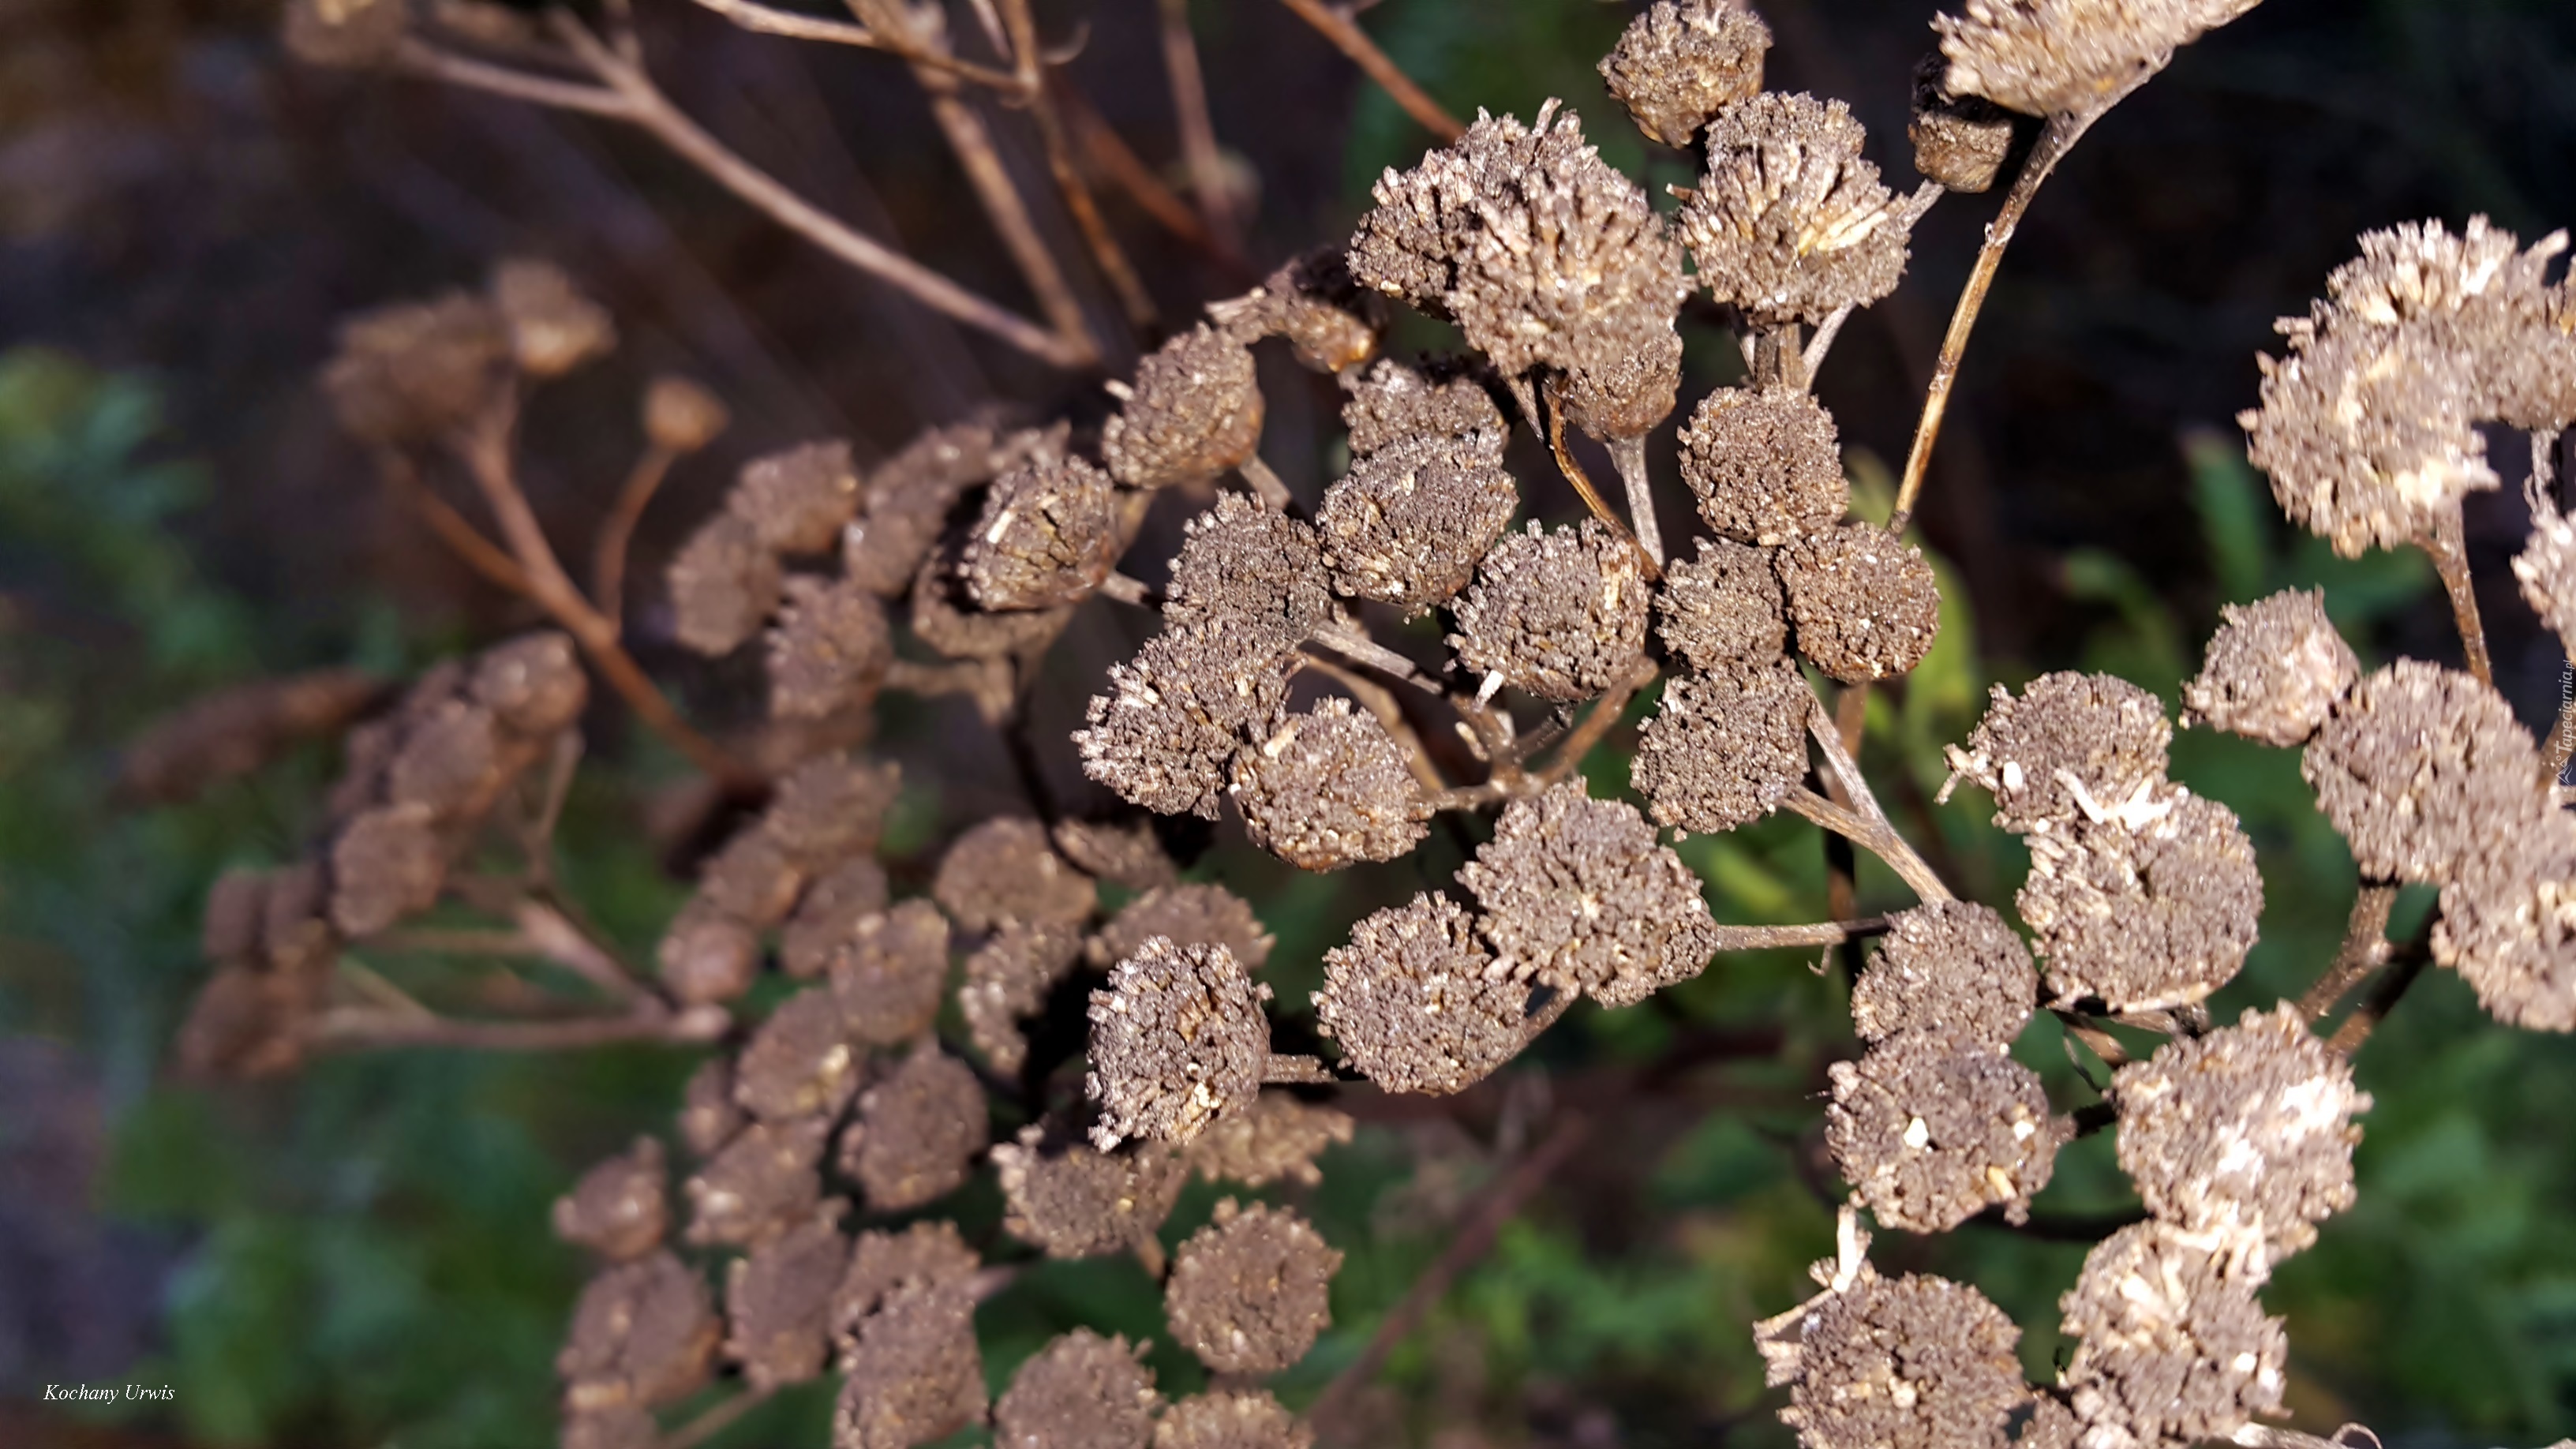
column 1122, row 852
column 413, row 372
column 1331, row 325
column 246, row 1022
column 752, row 879
column 1250, row 1291
column 832, row 807
column 709, row 1116
column 909, row 497
column 2069, row 57
column 2368, row 434
column 295, row 930
column 1560, row 614
column 946, row 617
column 1724, row 748
column 680, row 416
column 1930, row 1134
column 553, row 327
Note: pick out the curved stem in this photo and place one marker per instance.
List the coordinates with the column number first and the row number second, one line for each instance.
column 1070, row 184
column 1582, row 484
column 1337, row 26
column 1628, row 455
column 1605, row 712
column 767, row 20
column 617, row 531
column 2365, row 946
column 2447, row 547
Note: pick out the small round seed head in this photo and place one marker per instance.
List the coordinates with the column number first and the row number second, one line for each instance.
column 1930, row 1132
column 1960, row 142
column 1623, row 375
column 909, row 497
column 2546, row 568
column 1253, row 566
column 2422, row 768
column 1047, row 537
column 2479, row 293
column 724, row 586
column 752, row 879
column 533, row 685
column 706, row 955
column 2274, row 671
column 245, row 1022
column 1123, row 852
column 643, row 1334
column 1231, row 1419
column 891, row 973
column 2247, row 1129
column 1683, row 62
column 1177, row 1039
column 1905, row 1363
column 1071, row 1200
column 1410, row 521
column 1576, row 893
column 1250, row 1291
column 800, row 1063
column 1175, row 714
column 2174, row 1346
column 828, row 914
column 1790, row 224
column 767, row 1178
column 914, row 1373
column 945, row 615
column 553, row 327
column 618, row 1209
column 2147, row 913
column 915, row 1138
column 682, row 417
column 1560, row 614
column 236, row 905
column 1766, row 464
column 927, row 1255
column 386, row 864
column 1194, row 411
column 1081, row 1391
column 2069, row 57
column 348, row 33
column 832, row 807
column 1276, row 1137
column 412, row 372
column 830, row 651
column 2066, row 737
column 1865, row 605
column 1003, row 871
column 1723, row 748
column 295, row 932
column 1392, row 402
column 625, row 1426
column 2508, row 925
column 709, row 1116
column 1331, row 325
column 1329, row 787
column 798, row 500
column 1007, row 980
column 1949, row 969
column 1414, row 1007
column 1722, row 608
column 1190, row 914
column 778, row 1301
column 449, row 763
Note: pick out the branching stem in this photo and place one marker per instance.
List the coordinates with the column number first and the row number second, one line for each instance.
column 2365, row 947
column 2447, row 546
column 1336, row 25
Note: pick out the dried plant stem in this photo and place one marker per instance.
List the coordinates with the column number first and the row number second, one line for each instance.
column 1605, row 712
column 1842, row 867
column 2264, row 1436
column 1582, row 483
column 1199, row 152
column 2447, row 547
column 769, row 21
column 1075, row 190
column 1821, row 933
column 355, row 1028
column 2365, row 947
column 1127, row 589
column 553, row 935
column 1336, row 25
column 1353, row 645
column 431, row 63
column 453, row 529
column 1274, row 495
column 1628, row 455
column 1874, row 836
column 2383, row 999
column 1501, row 1204
column 1382, row 705
column 719, row 1417
column 1118, row 163
column 1296, row 1071
column 617, row 530
column 1813, row 356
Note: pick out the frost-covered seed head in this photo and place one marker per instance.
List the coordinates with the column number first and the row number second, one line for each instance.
column 1765, row 463
column 2148, row 914
column 1194, row 411
column 1328, row 787
column 1177, row 1039
column 1250, row 1291
column 2274, row 671
column 2423, row 768
column 1863, row 605
column 1683, row 62
column 1723, row 748
column 1414, row 1006
column 1930, row 1133
column 1577, row 894
column 1949, row 969
column 1409, row 523
column 1561, row 614
column 1790, row 224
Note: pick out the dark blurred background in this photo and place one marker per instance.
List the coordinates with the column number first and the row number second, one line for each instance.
column 359, row 1257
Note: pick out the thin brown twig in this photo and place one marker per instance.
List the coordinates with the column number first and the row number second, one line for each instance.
column 2447, row 546
column 1582, row 484
column 1337, row 26
column 1118, row 163
column 768, row 21
column 1605, row 712
column 718, row 1417
column 1266, row 485
column 2383, row 998
column 453, row 528
column 1351, row 644
column 1842, row 868
column 429, row 62
column 353, row 1028
column 1071, row 185
column 1872, row 834
column 2365, row 947
column 1199, row 150
column 1820, row 933
column 617, row 530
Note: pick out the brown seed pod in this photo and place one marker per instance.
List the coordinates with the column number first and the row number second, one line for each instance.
column 1683, row 62
column 1930, row 1133
column 2069, row 57
column 1175, row 714
column 1329, row 787
column 2508, row 925
column 1177, row 1039
column 832, row 807
column 1576, row 893
column 618, row 1210
column 1949, row 969
column 1864, row 605
column 345, row 33
column 2274, row 671
column 800, row 1063
column 413, row 372
column 1276, row 1137
column 680, row 416
column 1047, row 537
column 248, row 1023
column 643, row 1334
column 917, row 1132
column 1722, row 608
column 709, row 1116
column 828, row 915
column 1231, row 1419
column 945, row 615
column 1960, row 142
column 386, row 864
column 1413, row 518
column 1905, row 1363
column 533, row 685
column 752, row 878
column 706, row 955
column 1192, row 913
column 236, row 907
column 914, row 1373
column 624, row 1426
column 1081, row 1391
column 1007, row 980
column 1724, row 748
column 1005, row 871
column 295, row 931
column 2174, row 1347
column 760, row 1182
column 890, row 975
column 1765, row 463
column 2247, row 1129
column 1790, row 224
column 829, row 653
column 1250, row 1291
column 778, row 1301
column 1194, row 411
column 798, row 500
column 1252, row 566
column 1071, row 1200
column 724, row 586
column 1330, row 324
column 927, row 1255
column 1560, row 614
column 1121, row 851
column 909, row 497
column 553, row 327
column 1414, row 1006
column 1392, row 403
column 2422, row 768
column 2143, row 914
column 2067, row 738
column 449, row 763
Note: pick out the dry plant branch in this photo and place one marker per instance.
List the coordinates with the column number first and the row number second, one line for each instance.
column 1820, row 933
column 2365, row 947
column 1071, row 185
column 1605, row 712
column 365, row 1028
column 767, row 20
column 617, row 530
column 2447, row 546
column 2409, row 963
column 1265, row 484
column 1336, row 25
column 717, row 1418
column 1592, row 499
column 454, row 529
column 1199, row 151
column 1115, row 161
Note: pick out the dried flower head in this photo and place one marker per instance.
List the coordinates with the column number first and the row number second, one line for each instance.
column 830, row 651
column 1047, row 537
column 449, row 763
column 351, row 33
column 1577, row 894
column 2274, row 671
column 1683, row 62
column 1948, row 969
column 1931, row 1132
column 553, row 327
column 643, row 1334
column 1561, row 614
column 891, row 973
column 945, row 615
column 764, row 1179
column 1409, row 523
column 1072, row 1200
column 1864, row 605
column 2064, row 740
column 917, row 1132
column 1722, row 607
column 1414, row 1005
column 1904, row 1363
column 1765, row 463
column 1251, row 566
column 1007, row 980
column 2422, row 768
column 413, row 372
column 1177, row 1038
column 1329, row 322
column 1124, row 852
column 800, row 1063
column 828, row 914
column 914, row 1372
column 929, row 1254
column 682, row 417
column 1081, row 1391
column 1960, row 142
column 1328, row 787
column 236, row 908
column 2069, row 57
column 2175, row 1348
column 2508, row 925
column 1194, row 411
column 752, row 879
column 909, row 497
column 2368, row 434
column 1192, row 913
column 618, row 1210
column 2546, row 568
column 533, row 685
column 1003, row 871
column 2247, row 1129
column 386, row 864
column 709, row 1116
column 245, row 1022
column 1231, row 1419
column 706, row 955
column 1175, row 714
column 778, row 1301
column 1790, row 224
column 798, row 500
column 1723, row 748
column 1392, row 402
column 724, row 586
column 295, row 931
column 1276, row 1137
column 832, row 807
column 1250, row 1291
column 2144, row 913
